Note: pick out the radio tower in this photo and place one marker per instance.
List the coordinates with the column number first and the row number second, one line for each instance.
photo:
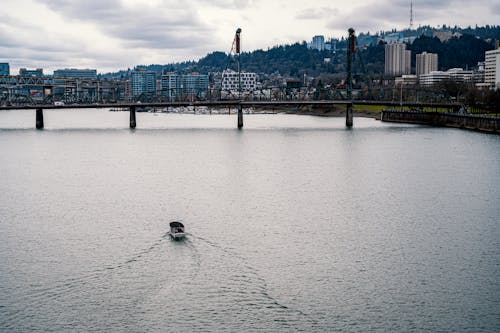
column 411, row 15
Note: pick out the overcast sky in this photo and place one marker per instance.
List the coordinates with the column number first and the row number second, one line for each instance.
column 109, row 35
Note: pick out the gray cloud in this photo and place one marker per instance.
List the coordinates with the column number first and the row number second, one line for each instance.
column 111, row 34
column 496, row 9
column 387, row 14
column 317, row 13
column 233, row 4
column 164, row 26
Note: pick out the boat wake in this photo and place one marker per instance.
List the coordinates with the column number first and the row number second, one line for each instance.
column 72, row 290
column 236, row 281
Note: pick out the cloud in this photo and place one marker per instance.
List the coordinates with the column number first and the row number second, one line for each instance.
column 496, row 9
column 164, row 25
column 387, row 15
column 317, row 13
column 113, row 34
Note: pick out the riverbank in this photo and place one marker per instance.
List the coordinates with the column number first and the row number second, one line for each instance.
column 324, row 111
column 480, row 123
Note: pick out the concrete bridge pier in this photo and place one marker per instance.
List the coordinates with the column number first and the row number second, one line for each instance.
column 240, row 117
column 39, row 118
column 132, row 117
column 349, row 115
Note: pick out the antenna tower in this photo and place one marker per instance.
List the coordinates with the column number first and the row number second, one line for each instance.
column 411, row 15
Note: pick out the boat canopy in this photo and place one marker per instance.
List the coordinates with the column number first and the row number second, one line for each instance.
column 176, row 224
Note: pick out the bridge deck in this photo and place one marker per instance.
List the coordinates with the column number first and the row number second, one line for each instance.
column 228, row 103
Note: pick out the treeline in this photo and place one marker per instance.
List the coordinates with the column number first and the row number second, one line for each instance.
column 296, row 60
column 463, row 52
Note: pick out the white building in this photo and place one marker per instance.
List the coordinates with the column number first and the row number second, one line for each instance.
column 460, row 75
column 230, row 81
column 492, row 68
column 397, row 59
column 407, row 80
column 426, row 63
column 454, row 74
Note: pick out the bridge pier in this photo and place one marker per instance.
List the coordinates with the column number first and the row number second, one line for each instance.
column 240, row 117
column 349, row 115
column 132, row 117
column 350, row 58
column 39, row 118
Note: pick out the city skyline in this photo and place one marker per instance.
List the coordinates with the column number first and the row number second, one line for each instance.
column 113, row 35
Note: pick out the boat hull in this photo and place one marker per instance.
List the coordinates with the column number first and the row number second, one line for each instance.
column 177, row 235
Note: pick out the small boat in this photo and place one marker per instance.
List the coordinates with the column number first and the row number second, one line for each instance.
column 177, row 230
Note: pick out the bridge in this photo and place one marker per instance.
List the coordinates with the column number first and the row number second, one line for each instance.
column 92, row 86
column 238, row 104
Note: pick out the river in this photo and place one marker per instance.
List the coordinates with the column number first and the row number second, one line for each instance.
column 295, row 224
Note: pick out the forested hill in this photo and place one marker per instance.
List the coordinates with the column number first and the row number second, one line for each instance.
column 296, row 60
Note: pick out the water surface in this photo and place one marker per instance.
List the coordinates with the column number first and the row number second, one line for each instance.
column 295, row 224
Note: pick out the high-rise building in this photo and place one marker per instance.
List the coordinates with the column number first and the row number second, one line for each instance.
column 4, row 68
column 397, row 59
column 174, row 85
column 73, row 73
column 31, row 72
column 492, row 68
column 426, row 63
column 143, row 82
column 318, row 43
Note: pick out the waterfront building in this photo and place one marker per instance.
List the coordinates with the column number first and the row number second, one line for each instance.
column 175, row 86
column 143, row 82
column 479, row 73
column 230, row 81
column 492, row 68
column 31, row 72
column 426, row 63
column 4, row 68
column 127, row 89
column 74, row 73
column 407, row 80
column 432, row 78
column 454, row 74
column 318, row 43
column 397, row 59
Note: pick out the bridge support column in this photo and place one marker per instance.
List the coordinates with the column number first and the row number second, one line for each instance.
column 350, row 57
column 39, row 118
column 132, row 117
column 349, row 115
column 240, row 117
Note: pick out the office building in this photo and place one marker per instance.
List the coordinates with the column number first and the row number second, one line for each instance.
column 397, row 59
column 4, row 68
column 175, row 86
column 73, row 73
column 426, row 63
column 492, row 68
column 454, row 74
column 31, row 72
column 143, row 82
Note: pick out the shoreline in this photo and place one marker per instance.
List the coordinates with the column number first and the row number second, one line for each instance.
column 324, row 112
